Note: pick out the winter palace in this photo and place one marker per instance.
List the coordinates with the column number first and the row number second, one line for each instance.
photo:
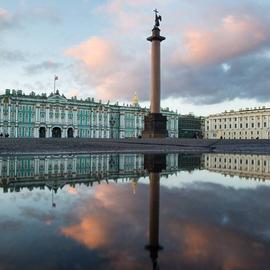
column 42, row 116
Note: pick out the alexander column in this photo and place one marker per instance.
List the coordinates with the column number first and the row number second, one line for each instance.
column 155, row 122
column 154, row 164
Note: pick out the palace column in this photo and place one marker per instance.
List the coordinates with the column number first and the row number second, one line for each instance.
column 155, row 122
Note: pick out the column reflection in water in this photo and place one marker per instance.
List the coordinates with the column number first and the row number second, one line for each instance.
column 154, row 164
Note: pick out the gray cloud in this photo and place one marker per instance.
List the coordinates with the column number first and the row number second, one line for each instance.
column 10, row 225
column 8, row 56
column 7, row 20
column 192, row 56
column 247, row 77
column 43, row 66
column 24, row 15
column 41, row 13
column 202, row 226
column 36, row 214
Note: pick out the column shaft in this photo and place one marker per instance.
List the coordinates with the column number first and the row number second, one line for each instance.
column 155, row 70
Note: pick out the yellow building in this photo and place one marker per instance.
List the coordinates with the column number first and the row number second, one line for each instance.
column 246, row 166
column 242, row 124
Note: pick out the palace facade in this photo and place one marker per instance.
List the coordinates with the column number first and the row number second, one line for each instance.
column 56, row 171
column 42, row 116
column 247, row 166
column 242, row 124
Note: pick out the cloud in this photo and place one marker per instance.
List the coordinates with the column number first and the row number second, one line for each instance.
column 236, row 36
column 10, row 225
column 90, row 232
column 72, row 191
column 7, row 56
column 107, row 228
column 247, row 78
column 7, row 20
column 41, row 13
column 108, row 69
column 42, row 67
column 193, row 56
column 192, row 231
column 25, row 15
column 97, row 53
column 35, row 214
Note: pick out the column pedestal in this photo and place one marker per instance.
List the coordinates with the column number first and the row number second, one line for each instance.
column 155, row 126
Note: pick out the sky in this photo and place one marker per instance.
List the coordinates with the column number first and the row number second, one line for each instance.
column 216, row 55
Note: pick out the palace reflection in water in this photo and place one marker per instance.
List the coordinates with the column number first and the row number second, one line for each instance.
column 247, row 166
column 174, row 221
column 57, row 171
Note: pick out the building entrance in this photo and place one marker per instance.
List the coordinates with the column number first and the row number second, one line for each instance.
column 70, row 133
column 42, row 132
column 56, row 132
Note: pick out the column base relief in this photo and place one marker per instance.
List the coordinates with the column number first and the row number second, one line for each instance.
column 155, row 126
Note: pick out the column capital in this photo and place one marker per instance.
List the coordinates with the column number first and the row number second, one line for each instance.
column 156, row 35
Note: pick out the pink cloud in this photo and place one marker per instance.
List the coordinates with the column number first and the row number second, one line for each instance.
column 5, row 17
column 111, row 218
column 236, row 35
column 96, row 53
column 91, row 232
column 4, row 14
column 108, row 69
column 72, row 191
column 118, row 64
